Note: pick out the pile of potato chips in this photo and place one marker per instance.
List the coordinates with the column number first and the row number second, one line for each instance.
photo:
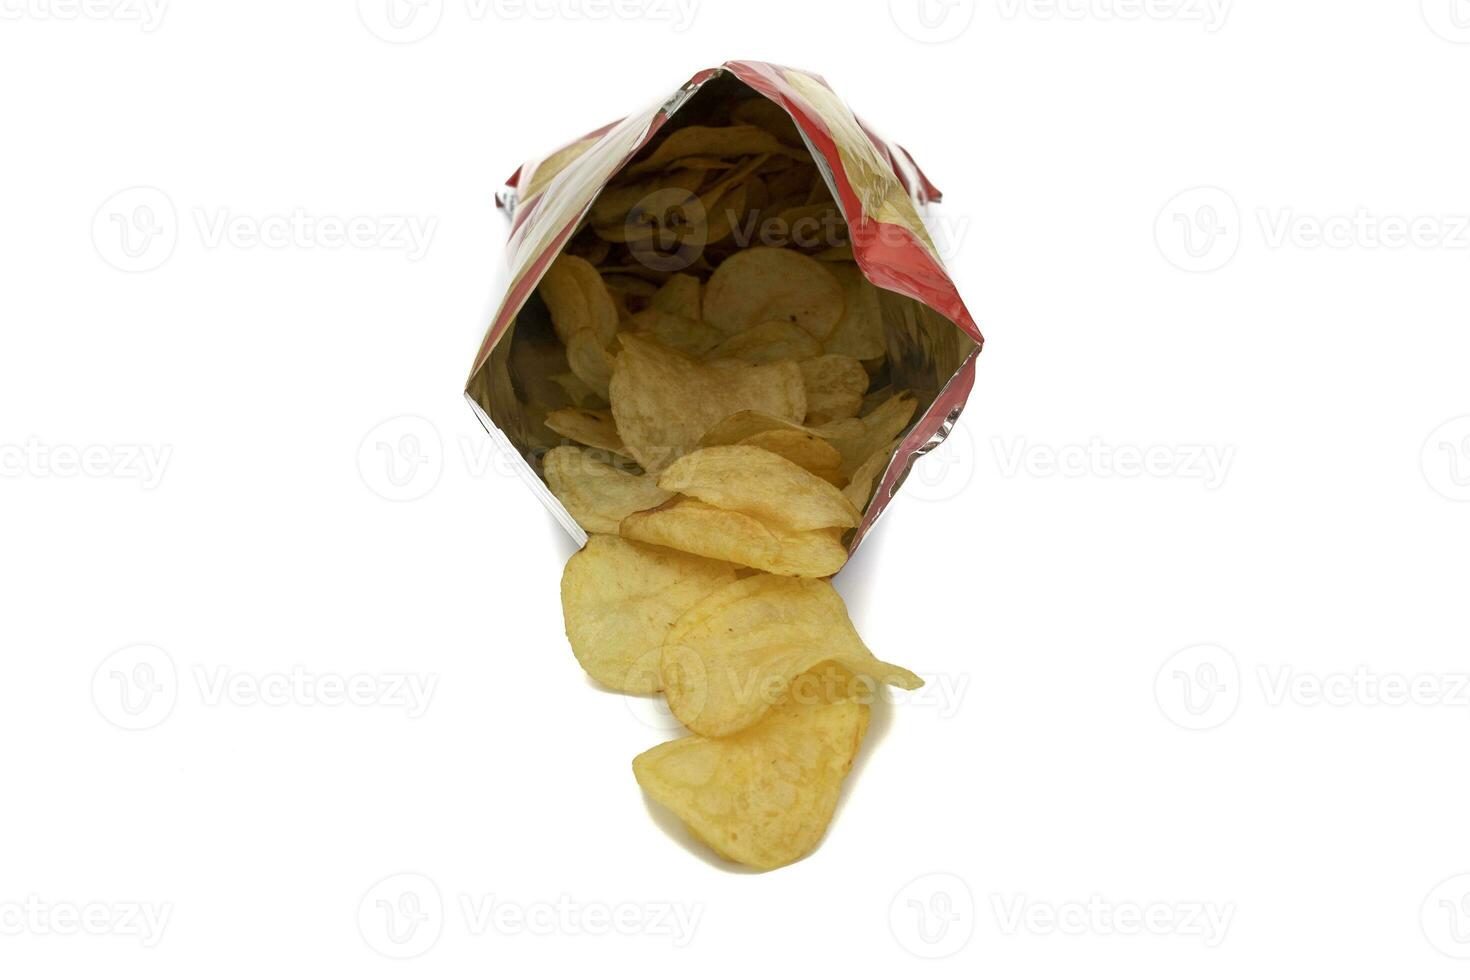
column 728, row 416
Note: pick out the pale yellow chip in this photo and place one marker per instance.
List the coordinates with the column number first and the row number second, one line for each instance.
column 859, row 489
column 679, row 296
column 834, row 387
column 774, row 340
column 619, row 600
column 596, row 493
column 590, row 426
column 734, row 654
column 816, row 456
column 676, row 332
column 590, row 361
column 762, row 484
column 698, row 528
column 759, row 284
column 859, row 331
column 857, row 442
column 577, row 300
column 764, row 797
column 664, row 401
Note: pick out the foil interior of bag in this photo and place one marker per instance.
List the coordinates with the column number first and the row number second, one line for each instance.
column 515, row 389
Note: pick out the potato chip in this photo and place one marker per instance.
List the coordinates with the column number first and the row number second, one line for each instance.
column 859, row 489
column 590, row 426
column 717, row 141
column 578, row 300
column 679, row 296
column 733, row 655
column 617, row 205
column 859, row 332
column 834, row 387
column 759, row 284
column 577, row 391
column 764, row 797
column 590, row 361
column 879, row 427
column 679, row 333
column 698, row 528
column 774, row 340
column 769, row 116
column 768, row 487
column 619, row 600
column 816, row 456
column 596, row 493
column 664, row 401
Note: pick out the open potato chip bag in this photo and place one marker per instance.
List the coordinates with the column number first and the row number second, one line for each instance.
column 745, row 244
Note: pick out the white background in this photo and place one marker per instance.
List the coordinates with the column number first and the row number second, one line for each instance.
column 1067, row 762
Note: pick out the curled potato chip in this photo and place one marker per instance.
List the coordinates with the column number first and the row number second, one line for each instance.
column 734, row 654
column 577, row 300
column 679, row 333
column 755, row 481
column 875, row 430
column 859, row 489
column 590, row 361
column 702, row 529
column 619, row 600
column 763, row 797
column 834, row 387
column 859, row 331
column 590, row 426
column 816, row 456
column 678, row 296
column 759, row 284
column 774, row 340
column 596, row 493
column 664, row 401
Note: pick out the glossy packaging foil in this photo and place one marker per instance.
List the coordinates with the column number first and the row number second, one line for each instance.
column 932, row 341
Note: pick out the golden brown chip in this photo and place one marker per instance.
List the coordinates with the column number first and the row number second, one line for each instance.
column 763, row 797
column 596, row 493
column 816, row 456
column 834, row 387
column 590, row 361
column 774, row 340
column 702, row 529
column 759, row 284
column 590, row 426
column 619, row 600
column 859, row 489
column 664, row 401
column 678, row 296
column 859, row 332
column 768, row 487
column 876, row 430
column 577, row 300
column 679, row 333
column 734, row 654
